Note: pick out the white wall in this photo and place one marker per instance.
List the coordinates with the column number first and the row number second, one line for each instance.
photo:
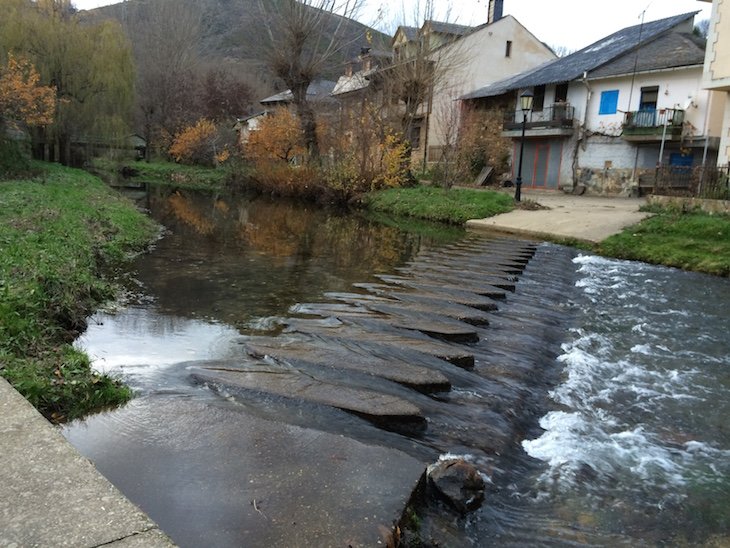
column 478, row 60
column 679, row 88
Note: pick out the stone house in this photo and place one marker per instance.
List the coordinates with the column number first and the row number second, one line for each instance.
column 614, row 110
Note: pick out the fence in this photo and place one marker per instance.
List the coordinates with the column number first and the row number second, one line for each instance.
column 709, row 182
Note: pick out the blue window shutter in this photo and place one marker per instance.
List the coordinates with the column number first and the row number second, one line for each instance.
column 609, row 102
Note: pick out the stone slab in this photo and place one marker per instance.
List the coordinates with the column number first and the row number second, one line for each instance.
column 52, row 496
column 451, row 353
column 338, row 357
column 294, row 384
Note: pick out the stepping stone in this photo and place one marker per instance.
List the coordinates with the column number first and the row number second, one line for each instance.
column 336, row 356
column 409, row 339
column 472, row 281
column 458, row 312
column 239, row 376
column 439, row 328
column 487, row 285
column 449, row 294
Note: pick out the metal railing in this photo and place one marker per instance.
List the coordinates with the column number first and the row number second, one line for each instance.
column 557, row 115
column 672, row 117
column 709, row 182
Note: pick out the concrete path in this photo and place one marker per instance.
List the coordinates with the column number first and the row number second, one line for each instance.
column 52, row 496
column 587, row 218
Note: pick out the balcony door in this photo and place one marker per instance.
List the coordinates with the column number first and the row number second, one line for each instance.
column 646, row 117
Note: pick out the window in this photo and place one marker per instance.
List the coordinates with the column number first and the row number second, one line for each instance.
column 649, row 98
column 508, row 49
column 538, row 101
column 609, row 102
column 561, row 93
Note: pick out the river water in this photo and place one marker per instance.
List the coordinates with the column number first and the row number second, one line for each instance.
column 621, row 437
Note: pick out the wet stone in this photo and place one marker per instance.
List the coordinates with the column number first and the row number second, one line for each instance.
column 262, row 378
column 410, row 339
column 338, row 357
column 458, row 482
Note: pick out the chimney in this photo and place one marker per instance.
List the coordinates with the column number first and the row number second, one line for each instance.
column 366, row 59
column 496, row 8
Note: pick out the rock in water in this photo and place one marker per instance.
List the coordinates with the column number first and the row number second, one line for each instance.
column 459, row 482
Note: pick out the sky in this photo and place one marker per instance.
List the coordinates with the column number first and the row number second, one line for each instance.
column 571, row 24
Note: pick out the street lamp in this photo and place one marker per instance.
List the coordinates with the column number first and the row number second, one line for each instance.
column 525, row 106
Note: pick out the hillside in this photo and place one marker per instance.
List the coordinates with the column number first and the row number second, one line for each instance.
column 232, row 32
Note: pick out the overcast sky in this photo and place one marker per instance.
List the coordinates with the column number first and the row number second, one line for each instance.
column 572, row 24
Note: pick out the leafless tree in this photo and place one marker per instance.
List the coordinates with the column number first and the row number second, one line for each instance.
column 299, row 49
column 165, row 50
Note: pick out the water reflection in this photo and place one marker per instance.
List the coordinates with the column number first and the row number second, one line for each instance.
column 236, row 260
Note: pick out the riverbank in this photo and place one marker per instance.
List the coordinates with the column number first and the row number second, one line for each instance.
column 62, row 232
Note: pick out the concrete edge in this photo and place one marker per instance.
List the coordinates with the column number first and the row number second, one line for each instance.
column 53, row 496
column 478, row 225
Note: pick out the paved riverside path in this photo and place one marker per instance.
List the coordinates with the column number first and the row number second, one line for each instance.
column 588, row 218
column 52, row 496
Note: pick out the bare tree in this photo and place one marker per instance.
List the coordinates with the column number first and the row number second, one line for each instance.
column 425, row 59
column 165, row 49
column 299, row 49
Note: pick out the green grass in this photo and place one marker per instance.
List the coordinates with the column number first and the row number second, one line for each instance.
column 172, row 174
column 690, row 241
column 454, row 206
column 59, row 233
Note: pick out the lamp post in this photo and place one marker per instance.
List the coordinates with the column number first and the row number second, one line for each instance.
column 525, row 106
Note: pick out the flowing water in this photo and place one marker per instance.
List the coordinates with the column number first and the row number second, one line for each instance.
column 598, row 407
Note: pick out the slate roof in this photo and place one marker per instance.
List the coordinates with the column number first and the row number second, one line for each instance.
column 449, row 28
column 317, row 91
column 676, row 49
column 588, row 59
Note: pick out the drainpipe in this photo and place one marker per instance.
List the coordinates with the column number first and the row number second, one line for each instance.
column 581, row 138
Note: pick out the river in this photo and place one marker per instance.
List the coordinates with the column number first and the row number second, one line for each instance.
column 598, row 409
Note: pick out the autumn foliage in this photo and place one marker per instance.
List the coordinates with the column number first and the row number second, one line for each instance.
column 22, row 98
column 278, row 137
column 196, row 144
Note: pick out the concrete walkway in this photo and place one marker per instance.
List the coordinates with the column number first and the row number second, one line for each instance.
column 587, row 218
column 52, row 496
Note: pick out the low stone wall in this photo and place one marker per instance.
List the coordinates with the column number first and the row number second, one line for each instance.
column 611, row 181
column 718, row 207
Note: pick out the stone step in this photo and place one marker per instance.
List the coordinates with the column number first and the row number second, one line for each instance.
column 410, row 339
column 237, row 376
column 485, row 285
column 433, row 326
column 458, row 312
column 484, row 303
column 335, row 356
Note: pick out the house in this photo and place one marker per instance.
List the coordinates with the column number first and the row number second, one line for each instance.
column 460, row 58
column 717, row 69
column 244, row 126
column 319, row 91
column 618, row 108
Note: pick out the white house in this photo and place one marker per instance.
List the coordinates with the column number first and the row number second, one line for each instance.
column 717, row 68
column 606, row 114
column 465, row 58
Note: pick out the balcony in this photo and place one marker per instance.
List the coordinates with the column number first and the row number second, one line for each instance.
column 653, row 125
column 557, row 119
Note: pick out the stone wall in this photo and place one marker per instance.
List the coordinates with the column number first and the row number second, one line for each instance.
column 719, row 207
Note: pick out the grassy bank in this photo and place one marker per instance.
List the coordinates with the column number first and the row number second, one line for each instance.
column 166, row 174
column 690, row 241
column 58, row 232
column 454, row 206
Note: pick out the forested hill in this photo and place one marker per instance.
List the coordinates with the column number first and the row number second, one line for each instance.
column 231, row 31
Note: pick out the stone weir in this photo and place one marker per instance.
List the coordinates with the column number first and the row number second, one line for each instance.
column 440, row 357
